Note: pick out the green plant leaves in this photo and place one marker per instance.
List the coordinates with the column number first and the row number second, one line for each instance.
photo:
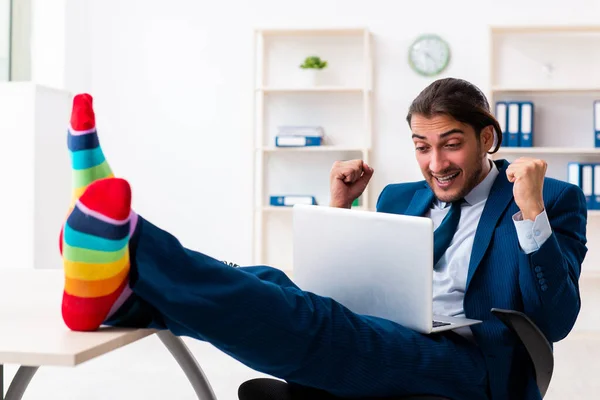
column 313, row 62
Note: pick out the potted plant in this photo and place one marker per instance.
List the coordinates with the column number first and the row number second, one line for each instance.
column 312, row 66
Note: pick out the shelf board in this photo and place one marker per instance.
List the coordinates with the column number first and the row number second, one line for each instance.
column 500, row 89
column 275, row 209
column 309, row 149
column 546, row 29
column 288, row 209
column 313, row 32
column 316, row 89
column 549, row 150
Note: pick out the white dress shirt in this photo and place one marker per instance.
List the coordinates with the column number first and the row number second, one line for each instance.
column 450, row 273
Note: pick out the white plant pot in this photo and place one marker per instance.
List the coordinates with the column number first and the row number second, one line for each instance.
column 311, row 77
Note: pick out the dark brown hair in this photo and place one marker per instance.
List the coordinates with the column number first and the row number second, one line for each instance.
column 460, row 100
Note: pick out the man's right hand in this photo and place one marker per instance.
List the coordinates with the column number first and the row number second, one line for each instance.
column 347, row 181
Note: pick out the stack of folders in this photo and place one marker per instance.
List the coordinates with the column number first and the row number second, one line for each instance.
column 291, row 200
column 299, row 136
column 587, row 177
column 516, row 122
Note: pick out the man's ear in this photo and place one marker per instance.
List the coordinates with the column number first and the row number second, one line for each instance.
column 487, row 138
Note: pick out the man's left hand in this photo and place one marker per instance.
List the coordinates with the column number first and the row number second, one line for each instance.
column 527, row 174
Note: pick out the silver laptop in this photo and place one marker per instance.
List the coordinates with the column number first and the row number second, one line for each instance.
column 373, row 263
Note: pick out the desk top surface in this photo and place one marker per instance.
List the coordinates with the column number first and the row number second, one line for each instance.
column 32, row 331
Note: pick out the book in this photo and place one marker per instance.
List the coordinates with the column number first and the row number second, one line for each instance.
column 291, row 200
column 297, row 141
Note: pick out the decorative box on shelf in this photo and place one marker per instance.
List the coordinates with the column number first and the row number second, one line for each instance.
column 299, row 136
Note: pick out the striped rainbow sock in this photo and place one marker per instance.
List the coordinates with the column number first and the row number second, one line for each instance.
column 88, row 165
column 96, row 254
column 87, row 159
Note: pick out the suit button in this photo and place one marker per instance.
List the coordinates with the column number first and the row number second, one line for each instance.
column 544, row 288
column 540, row 275
column 538, row 269
column 542, row 281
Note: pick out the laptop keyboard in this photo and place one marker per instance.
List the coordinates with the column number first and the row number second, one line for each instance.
column 437, row 324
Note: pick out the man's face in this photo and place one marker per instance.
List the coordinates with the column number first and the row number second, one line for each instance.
column 452, row 159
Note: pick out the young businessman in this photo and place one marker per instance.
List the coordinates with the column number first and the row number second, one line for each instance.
column 506, row 236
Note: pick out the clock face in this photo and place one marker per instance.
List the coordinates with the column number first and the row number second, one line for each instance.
column 429, row 55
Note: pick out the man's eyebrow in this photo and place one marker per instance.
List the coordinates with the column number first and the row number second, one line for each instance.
column 442, row 135
column 450, row 132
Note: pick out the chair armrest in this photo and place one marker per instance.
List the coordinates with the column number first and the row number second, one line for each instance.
column 535, row 343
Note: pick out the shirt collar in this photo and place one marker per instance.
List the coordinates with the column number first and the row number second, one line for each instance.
column 479, row 192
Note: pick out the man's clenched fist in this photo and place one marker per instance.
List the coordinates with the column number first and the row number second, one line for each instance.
column 347, row 181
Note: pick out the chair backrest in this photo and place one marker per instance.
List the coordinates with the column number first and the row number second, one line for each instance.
column 535, row 343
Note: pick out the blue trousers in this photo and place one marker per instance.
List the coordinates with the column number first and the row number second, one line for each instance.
column 258, row 316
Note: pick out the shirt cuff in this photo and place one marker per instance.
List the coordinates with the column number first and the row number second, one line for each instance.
column 532, row 234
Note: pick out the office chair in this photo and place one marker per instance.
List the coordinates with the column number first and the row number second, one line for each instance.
column 534, row 341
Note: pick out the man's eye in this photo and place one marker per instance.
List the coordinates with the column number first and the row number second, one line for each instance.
column 453, row 145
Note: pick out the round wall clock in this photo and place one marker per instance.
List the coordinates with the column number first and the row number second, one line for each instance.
column 429, row 55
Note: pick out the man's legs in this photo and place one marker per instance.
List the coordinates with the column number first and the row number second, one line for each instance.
column 270, row 274
column 279, row 330
column 295, row 335
column 255, row 314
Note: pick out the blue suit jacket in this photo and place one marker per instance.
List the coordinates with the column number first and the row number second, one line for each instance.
column 543, row 284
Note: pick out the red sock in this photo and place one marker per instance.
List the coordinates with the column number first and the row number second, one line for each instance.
column 95, row 250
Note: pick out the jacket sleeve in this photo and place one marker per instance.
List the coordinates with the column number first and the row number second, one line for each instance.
column 549, row 276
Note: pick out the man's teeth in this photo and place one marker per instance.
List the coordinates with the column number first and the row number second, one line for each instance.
column 446, row 178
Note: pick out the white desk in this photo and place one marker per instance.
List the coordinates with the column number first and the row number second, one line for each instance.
column 33, row 333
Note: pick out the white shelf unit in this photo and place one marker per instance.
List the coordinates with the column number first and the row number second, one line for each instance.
column 555, row 67
column 341, row 103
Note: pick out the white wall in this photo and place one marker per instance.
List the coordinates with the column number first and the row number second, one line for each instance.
column 173, row 87
column 44, row 34
column 48, row 29
column 173, row 84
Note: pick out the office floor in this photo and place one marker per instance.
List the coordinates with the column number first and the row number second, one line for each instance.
column 577, row 358
column 145, row 370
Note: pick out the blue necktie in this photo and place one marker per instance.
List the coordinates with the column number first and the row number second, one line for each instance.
column 444, row 233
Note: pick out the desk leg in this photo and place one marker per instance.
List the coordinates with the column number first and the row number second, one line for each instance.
column 19, row 383
column 188, row 364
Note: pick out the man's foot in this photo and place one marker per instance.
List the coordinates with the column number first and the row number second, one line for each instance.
column 95, row 251
column 87, row 159
column 88, row 165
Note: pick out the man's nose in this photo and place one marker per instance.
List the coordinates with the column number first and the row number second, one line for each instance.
column 438, row 163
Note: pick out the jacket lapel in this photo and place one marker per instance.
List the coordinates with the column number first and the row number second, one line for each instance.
column 499, row 198
column 420, row 202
